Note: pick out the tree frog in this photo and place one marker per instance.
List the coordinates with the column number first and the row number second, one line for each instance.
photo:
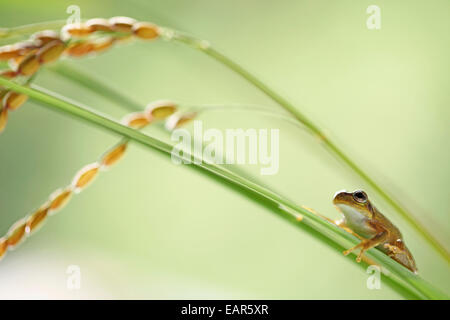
column 372, row 227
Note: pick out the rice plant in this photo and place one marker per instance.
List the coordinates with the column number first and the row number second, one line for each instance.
column 48, row 42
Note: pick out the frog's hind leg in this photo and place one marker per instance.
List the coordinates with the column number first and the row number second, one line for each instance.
column 393, row 250
column 366, row 244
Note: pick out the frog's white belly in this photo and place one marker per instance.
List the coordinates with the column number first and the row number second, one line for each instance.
column 356, row 221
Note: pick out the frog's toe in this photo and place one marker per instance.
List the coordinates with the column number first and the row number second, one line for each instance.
column 359, row 257
column 393, row 249
column 347, row 252
column 361, row 245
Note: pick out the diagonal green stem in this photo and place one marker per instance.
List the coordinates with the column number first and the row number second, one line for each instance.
column 95, row 85
column 204, row 47
column 327, row 232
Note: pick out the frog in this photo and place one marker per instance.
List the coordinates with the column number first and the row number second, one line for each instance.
column 365, row 221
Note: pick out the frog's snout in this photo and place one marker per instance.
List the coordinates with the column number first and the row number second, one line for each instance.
column 337, row 192
column 338, row 195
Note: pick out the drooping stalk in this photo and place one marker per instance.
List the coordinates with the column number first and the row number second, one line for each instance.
column 325, row 231
column 6, row 33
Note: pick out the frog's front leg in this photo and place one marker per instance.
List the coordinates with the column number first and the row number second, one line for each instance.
column 341, row 224
column 366, row 244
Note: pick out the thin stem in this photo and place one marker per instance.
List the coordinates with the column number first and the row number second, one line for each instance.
column 329, row 233
column 95, row 85
column 6, row 33
column 206, row 48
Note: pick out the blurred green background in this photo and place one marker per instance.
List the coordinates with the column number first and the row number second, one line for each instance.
column 150, row 229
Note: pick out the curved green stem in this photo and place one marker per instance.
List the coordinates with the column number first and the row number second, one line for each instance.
column 329, row 233
column 6, row 33
column 205, row 47
column 97, row 86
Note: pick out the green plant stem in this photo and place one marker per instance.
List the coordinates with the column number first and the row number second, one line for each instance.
column 95, row 85
column 329, row 233
column 6, row 33
column 204, row 47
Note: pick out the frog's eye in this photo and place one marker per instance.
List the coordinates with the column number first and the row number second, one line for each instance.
column 360, row 196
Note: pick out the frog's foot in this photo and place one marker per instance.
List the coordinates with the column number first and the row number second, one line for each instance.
column 366, row 244
column 393, row 249
column 360, row 245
